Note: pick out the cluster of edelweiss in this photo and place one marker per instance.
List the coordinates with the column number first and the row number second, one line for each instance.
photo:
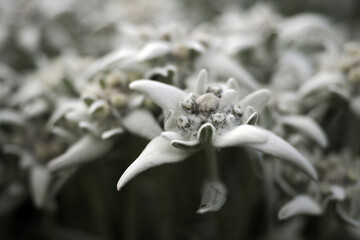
column 247, row 79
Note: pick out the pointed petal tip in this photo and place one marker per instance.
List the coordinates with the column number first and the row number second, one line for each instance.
column 134, row 85
column 203, row 72
column 300, row 205
column 157, row 152
column 201, row 82
column 308, row 127
column 119, row 185
column 267, row 142
column 213, row 197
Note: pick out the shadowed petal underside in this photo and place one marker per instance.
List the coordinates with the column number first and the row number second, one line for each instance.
column 159, row 151
column 266, row 142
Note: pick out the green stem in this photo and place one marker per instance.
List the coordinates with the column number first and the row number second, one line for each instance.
column 212, row 165
column 213, row 175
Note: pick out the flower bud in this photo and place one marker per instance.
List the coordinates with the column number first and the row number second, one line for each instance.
column 189, row 105
column 238, row 111
column 218, row 119
column 216, row 90
column 183, row 123
column 207, row 102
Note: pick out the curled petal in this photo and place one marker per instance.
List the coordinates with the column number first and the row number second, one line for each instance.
column 257, row 99
column 241, row 135
column 157, row 152
column 226, row 67
column 63, row 108
column 166, row 72
column 96, row 105
column 266, row 142
column 318, row 82
column 112, row 132
column 165, row 96
column 213, row 197
column 301, row 204
column 142, row 123
column 192, row 146
column 195, row 46
column 252, row 119
column 201, row 82
column 206, row 133
column 87, row 149
column 153, row 50
column 308, row 127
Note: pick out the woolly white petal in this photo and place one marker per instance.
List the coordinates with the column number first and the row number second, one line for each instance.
column 319, row 82
column 87, row 149
column 201, row 82
column 229, row 97
column 191, row 146
column 142, row 123
column 241, row 135
column 166, row 96
column 172, row 135
column 301, row 204
column 153, row 50
column 213, row 197
column 157, row 152
column 112, row 132
column 106, row 61
column 306, row 126
column 206, row 133
column 338, row 192
column 266, row 142
column 257, row 99
column 98, row 104
column 226, row 67
column 65, row 106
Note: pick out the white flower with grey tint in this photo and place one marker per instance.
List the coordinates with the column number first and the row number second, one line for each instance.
column 342, row 80
column 212, row 116
column 107, row 109
column 338, row 183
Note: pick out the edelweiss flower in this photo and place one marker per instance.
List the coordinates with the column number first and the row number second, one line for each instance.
column 108, row 109
column 210, row 116
column 338, row 184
